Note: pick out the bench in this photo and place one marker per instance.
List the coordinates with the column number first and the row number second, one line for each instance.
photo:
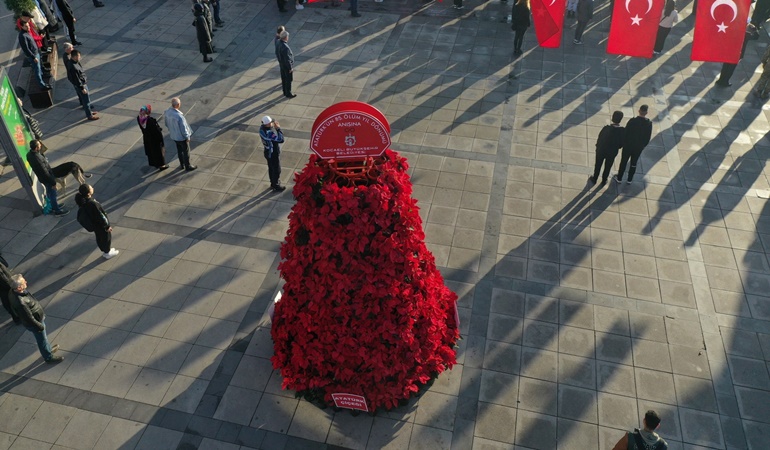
column 39, row 97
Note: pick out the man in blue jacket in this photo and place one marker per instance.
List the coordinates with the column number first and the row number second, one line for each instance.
column 272, row 138
column 30, row 50
column 180, row 132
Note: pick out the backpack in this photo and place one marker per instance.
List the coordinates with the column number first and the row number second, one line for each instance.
column 636, row 442
column 84, row 219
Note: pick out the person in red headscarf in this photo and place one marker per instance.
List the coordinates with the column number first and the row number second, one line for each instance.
column 152, row 134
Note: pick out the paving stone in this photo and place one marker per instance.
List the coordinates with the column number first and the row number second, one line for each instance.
column 577, row 403
column 18, row 410
column 495, row 422
column 505, row 328
column 502, row 357
column 695, row 393
column 537, row 396
column 749, row 372
column 651, row 355
column 615, row 378
column 540, row 335
column 48, row 422
column 576, row 341
column 646, row 326
column 689, row 361
column 577, row 371
column 83, row 430
column 389, row 433
column 574, row 434
column 499, row 388
column 537, row 431
column 611, row 320
column 610, row 347
column 120, row 433
column 754, row 404
column 616, row 411
column 539, row 364
column 310, row 422
column 156, row 437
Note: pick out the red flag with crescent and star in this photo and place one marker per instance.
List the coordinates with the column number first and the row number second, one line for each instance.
column 634, row 27
column 548, row 18
column 720, row 27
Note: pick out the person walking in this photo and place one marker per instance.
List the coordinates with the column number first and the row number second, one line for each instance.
column 5, row 288
column 180, row 132
column 644, row 439
column 669, row 18
column 286, row 63
column 636, row 137
column 762, row 89
column 203, row 32
column 77, row 76
column 32, row 316
column 519, row 23
column 585, row 12
column 272, row 138
column 92, row 217
column 607, row 145
column 152, row 137
column 64, row 11
column 30, row 50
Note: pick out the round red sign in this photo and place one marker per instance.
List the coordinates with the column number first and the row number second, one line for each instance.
column 350, row 130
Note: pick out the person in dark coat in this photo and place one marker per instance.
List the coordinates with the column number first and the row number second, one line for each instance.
column 152, row 135
column 42, row 169
column 30, row 50
column 607, row 145
column 204, row 33
column 286, row 63
column 519, row 24
column 636, row 137
column 68, row 17
column 272, row 138
column 77, row 76
column 585, row 12
column 277, row 40
column 32, row 316
column 752, row 34
column 5, row 288
column 100, row 223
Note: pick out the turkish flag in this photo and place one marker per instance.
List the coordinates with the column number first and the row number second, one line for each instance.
column 548, row 18
column 634, row 27
column 720, row 27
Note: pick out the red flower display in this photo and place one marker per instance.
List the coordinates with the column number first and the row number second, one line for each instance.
column 364, row 309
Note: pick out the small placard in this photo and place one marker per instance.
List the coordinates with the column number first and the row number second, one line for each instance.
column 350, row 401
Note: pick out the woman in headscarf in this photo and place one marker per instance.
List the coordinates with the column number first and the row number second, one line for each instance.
column 152, row 134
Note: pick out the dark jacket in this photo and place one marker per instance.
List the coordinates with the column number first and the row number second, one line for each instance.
column 5, row 289
column 95, row 212
column 520, row 16
column 585, row 10
column 66, row 11
column 76, row 74
column 285, row 56
column 276, row 41
column 271, row 140
column 28, row 45
column 26, row 307
column 609, row 141
column 638, row 133
column 39, row 164
column 204, row 33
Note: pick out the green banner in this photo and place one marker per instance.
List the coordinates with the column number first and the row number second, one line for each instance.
column 13, row 118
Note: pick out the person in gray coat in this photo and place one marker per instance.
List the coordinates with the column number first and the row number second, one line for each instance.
column 286, row 63
column 585, row 12
column 204, row 32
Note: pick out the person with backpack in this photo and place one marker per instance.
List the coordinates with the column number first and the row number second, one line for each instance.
column 644, row 439
column 92, row 217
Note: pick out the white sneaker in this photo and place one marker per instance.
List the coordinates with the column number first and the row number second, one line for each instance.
column 110, row 253
column 300, row 6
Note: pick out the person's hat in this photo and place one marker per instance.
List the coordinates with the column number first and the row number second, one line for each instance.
column 266, row 120
column 198, row 7
column 26, row 14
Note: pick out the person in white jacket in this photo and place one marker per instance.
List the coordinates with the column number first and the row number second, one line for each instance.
column 669, row 18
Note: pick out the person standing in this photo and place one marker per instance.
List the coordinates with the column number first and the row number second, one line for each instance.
column 607, row 145
column 32, row 316
column 636, row 137
column 281, row 5
column 42, row 169
column 77, row 76
column 92, row 217
column 762, row 90
column 277, row 40
column 30, row 50
column 585, row 12
column 66, row 15
column 272, row 138
column 216, row 5
column 354, row 8
column 45, row 8
column 669, row 18
column 646, row 438
column 458, row 4
column 203, row 32
column 728, row 69
column 152, row 137
column 98, row 4
column 180, row 132
column 5, row 288
column 571, row 8
column 519, row 24
column 34, row 31
column 286, row 63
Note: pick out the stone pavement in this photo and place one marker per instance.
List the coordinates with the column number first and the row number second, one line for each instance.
column 581, row 307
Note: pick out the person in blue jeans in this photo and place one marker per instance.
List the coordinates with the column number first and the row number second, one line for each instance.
column 45, row 174
column 30, row 50
column 77, row 76
column 217, row 20
column 32, row 316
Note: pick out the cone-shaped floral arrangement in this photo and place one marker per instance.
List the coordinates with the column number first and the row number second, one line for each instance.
column 364, row 309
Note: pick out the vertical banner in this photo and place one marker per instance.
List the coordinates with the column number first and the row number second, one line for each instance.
column 720, row 28
column 15, row 136
column 634, row 27
column 548, row 18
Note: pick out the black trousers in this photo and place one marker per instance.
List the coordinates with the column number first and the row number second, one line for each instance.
column 660, row 39
column 103, row 239
column 274, row 167
column 579, row 29
column 726, row 73
column 71, row 29
column 286, row 79
column 281, row 5
column 183, row 153
column 518, row 38
column 633, row 155
column 607, row 160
